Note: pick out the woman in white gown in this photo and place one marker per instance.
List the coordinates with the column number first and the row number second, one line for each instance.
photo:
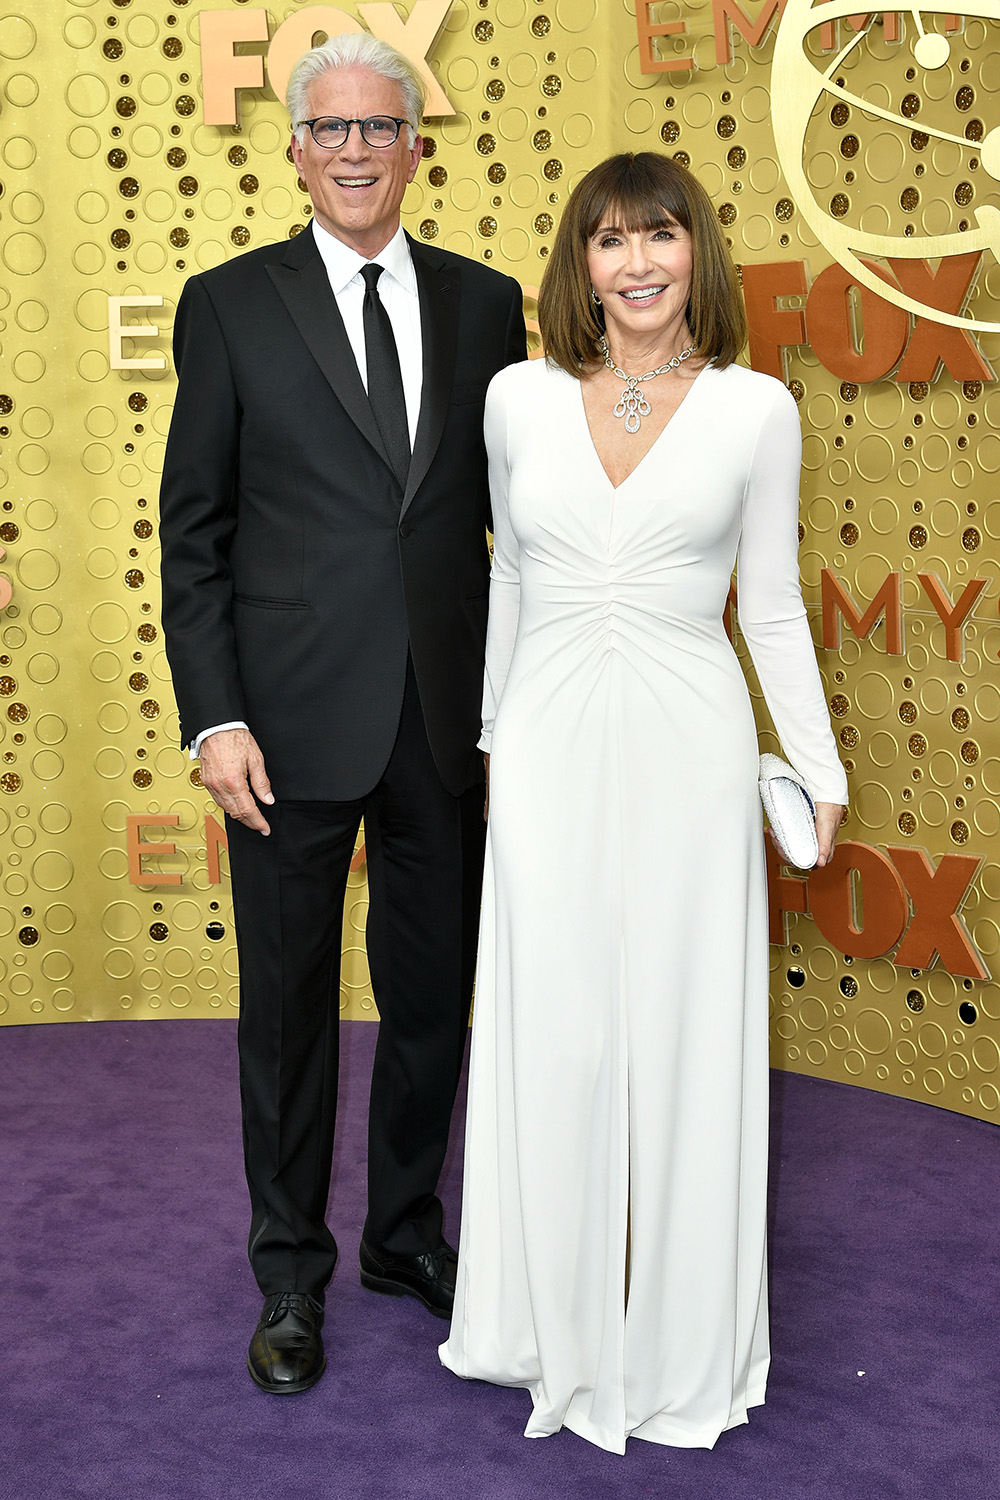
column 612, row 1256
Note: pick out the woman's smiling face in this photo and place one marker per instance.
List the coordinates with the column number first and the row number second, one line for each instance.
column 642, row 276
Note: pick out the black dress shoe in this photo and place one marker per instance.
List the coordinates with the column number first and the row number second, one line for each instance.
column 429, row 1277
column 286, row 1351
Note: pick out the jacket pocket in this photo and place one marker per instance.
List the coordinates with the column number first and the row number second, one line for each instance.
column 256, row 601
column 468, row 393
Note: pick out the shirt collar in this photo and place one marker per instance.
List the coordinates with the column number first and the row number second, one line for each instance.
column 343, row 264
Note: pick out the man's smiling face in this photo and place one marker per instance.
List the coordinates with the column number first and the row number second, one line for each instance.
column 356, row 189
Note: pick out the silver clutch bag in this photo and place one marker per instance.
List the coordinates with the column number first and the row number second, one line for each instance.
column 790, row 810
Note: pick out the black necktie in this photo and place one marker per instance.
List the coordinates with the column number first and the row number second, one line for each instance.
column 385, row 383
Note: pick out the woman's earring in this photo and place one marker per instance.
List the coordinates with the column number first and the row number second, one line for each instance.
column 595, row 299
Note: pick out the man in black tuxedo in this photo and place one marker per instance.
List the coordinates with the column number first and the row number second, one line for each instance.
column 324, row 510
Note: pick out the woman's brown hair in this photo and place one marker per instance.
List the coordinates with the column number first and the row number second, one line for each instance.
column 638, row 191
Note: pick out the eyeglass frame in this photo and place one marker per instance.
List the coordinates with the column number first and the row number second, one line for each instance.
column 360, row 124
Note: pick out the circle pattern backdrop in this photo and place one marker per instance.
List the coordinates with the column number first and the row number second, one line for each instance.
column 136, row 193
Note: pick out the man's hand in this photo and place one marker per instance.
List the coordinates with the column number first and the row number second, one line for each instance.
column 230, row 759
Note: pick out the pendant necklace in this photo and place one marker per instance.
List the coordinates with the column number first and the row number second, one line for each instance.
column 632, row 404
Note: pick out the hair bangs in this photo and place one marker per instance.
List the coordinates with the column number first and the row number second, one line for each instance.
column 627, row 195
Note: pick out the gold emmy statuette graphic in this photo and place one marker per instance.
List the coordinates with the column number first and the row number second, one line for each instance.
column 806, row 83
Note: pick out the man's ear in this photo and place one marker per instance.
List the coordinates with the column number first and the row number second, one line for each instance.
column 296, row 153
column 416, row 153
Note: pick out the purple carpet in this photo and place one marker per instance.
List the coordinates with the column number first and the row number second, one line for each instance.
column 128, row 1306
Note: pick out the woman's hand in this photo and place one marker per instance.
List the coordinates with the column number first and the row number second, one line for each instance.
column 829, row 816
column 486, row 805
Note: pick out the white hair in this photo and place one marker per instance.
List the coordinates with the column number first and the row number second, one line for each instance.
column 355, row 49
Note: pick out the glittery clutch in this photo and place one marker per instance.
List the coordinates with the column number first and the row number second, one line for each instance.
column 790, row 810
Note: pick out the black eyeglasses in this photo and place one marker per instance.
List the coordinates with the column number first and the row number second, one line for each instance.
column 376, row 130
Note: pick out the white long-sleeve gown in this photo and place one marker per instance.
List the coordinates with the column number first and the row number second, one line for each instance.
column 612, row 1253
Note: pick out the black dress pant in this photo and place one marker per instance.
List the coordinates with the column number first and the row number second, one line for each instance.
column 425, row 857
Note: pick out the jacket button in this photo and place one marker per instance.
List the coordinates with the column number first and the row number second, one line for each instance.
column 405, row 528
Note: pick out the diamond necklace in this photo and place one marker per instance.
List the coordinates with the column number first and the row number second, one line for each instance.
column 632, row 404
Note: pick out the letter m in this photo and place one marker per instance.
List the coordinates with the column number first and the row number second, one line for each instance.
column 838, row 604
column 724, row 11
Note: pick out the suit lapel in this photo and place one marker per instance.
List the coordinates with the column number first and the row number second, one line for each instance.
column 437, row 289
column 302, row 284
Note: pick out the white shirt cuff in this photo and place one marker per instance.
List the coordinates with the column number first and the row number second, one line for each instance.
column 194, row 749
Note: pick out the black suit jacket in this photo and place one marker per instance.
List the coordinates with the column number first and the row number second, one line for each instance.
column 296, row 573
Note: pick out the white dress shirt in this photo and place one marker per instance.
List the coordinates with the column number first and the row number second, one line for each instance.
column 397, row 287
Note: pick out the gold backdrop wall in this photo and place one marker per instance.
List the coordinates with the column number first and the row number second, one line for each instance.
column 113, row 186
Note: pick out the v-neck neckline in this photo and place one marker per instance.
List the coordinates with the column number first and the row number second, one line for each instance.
column 653, row 445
